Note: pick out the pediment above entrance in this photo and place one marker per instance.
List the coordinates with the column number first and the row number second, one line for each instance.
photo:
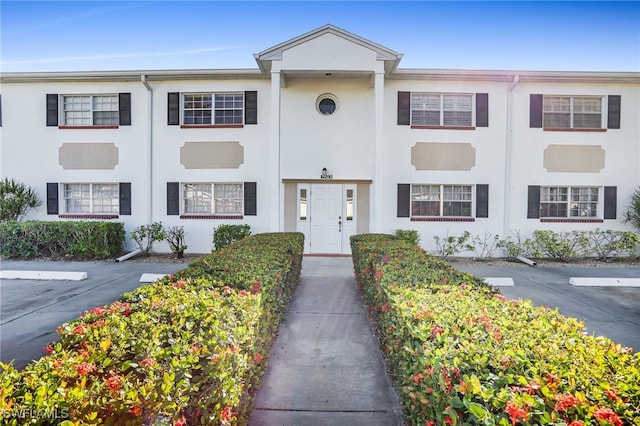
column 328, row 49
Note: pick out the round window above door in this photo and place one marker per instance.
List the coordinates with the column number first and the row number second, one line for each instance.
column 326, row 104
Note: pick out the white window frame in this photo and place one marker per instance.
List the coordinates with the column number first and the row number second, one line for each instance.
column 439, row 105
column 85, row 109
column 211, row 199
column 438, row 193
column 573, row 207
column 574, row 105
column 217, row 108
column 86, row 195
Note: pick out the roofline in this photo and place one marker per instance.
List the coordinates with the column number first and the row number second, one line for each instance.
column 131, row 76
column 524, row 76
column 257, row 74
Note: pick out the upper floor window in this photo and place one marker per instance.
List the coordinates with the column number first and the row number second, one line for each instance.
column 441, row 200
column 90, row 110
column 213, row 198
column 568, row 202
column 569, row 112
column 433, row 109
column 100, row 111
column 91, row 198
column 575, row 113
column 207, row 109
column 458, row 111
column 213, row 108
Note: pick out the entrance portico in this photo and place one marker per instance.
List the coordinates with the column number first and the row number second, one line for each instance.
column 327, row 212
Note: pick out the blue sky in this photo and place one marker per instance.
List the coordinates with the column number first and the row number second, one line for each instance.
column 156, row 35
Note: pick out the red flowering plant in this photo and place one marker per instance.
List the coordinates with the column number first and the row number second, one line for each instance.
column 178, row 354
column 460, row 353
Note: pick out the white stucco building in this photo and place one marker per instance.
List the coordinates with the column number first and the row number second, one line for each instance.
column 440, row 151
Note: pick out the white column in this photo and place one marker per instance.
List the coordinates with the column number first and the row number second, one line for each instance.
column 274, row 190
column 377, row 204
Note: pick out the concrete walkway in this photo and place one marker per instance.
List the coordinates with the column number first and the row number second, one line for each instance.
column 325, row 367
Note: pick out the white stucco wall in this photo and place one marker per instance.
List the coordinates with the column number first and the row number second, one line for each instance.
column 167, row 141
column 30, row 148
column 292, row 140
column 621, row 146
column 489, row 143
column 342, row 142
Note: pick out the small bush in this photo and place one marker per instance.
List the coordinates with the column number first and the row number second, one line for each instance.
column 224, row 235
column 16, row 200
column 451, row 245
column 61, row 239
column 175, row 237
column 484, row 246
column 607, row 244
column 146, row 235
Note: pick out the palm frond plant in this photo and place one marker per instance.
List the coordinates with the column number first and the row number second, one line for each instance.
column 632, row 214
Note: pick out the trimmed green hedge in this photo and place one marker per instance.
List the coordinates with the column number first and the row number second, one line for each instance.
column 188, row 349
column 461, row 354
column 61, row 239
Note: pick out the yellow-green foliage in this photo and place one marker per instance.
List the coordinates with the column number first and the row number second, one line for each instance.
column 462, row 354
column 188, row 349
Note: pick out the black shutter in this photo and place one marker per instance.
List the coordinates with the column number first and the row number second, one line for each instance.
column 533, row 202
column 251, row 107
column 535, row 111
column 482, row 200
column 404, row 108
column 173, row 198
column 250, row 199
column 613, row 112
column 173, row 109
column 124, row 104
column 482, row 110
column 125, row 198
column 404, row 200
column 52, row 109
column 610, row 202
column 52, row 198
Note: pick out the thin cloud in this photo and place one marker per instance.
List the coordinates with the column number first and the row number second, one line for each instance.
column 115, row 56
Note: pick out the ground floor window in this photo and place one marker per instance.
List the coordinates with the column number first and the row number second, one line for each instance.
column 429, row 200
column 565, row 201
column 91, row 198
column 213, row 198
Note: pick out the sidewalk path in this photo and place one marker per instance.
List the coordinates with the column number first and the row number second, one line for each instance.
column 325, row 367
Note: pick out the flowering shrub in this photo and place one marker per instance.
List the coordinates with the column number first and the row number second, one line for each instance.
column 188, row 349
column 460, row 353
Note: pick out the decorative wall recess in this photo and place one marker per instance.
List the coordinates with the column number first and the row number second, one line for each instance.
column 574, row 158
column 443, row 156
column 88, row 156
column 211, row 155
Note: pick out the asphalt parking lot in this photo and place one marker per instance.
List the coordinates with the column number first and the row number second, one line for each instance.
column 32, row 310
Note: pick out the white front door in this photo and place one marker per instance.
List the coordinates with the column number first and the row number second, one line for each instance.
column 326, row 215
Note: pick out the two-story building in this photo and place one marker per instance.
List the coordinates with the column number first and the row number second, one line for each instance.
column 330, row 137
